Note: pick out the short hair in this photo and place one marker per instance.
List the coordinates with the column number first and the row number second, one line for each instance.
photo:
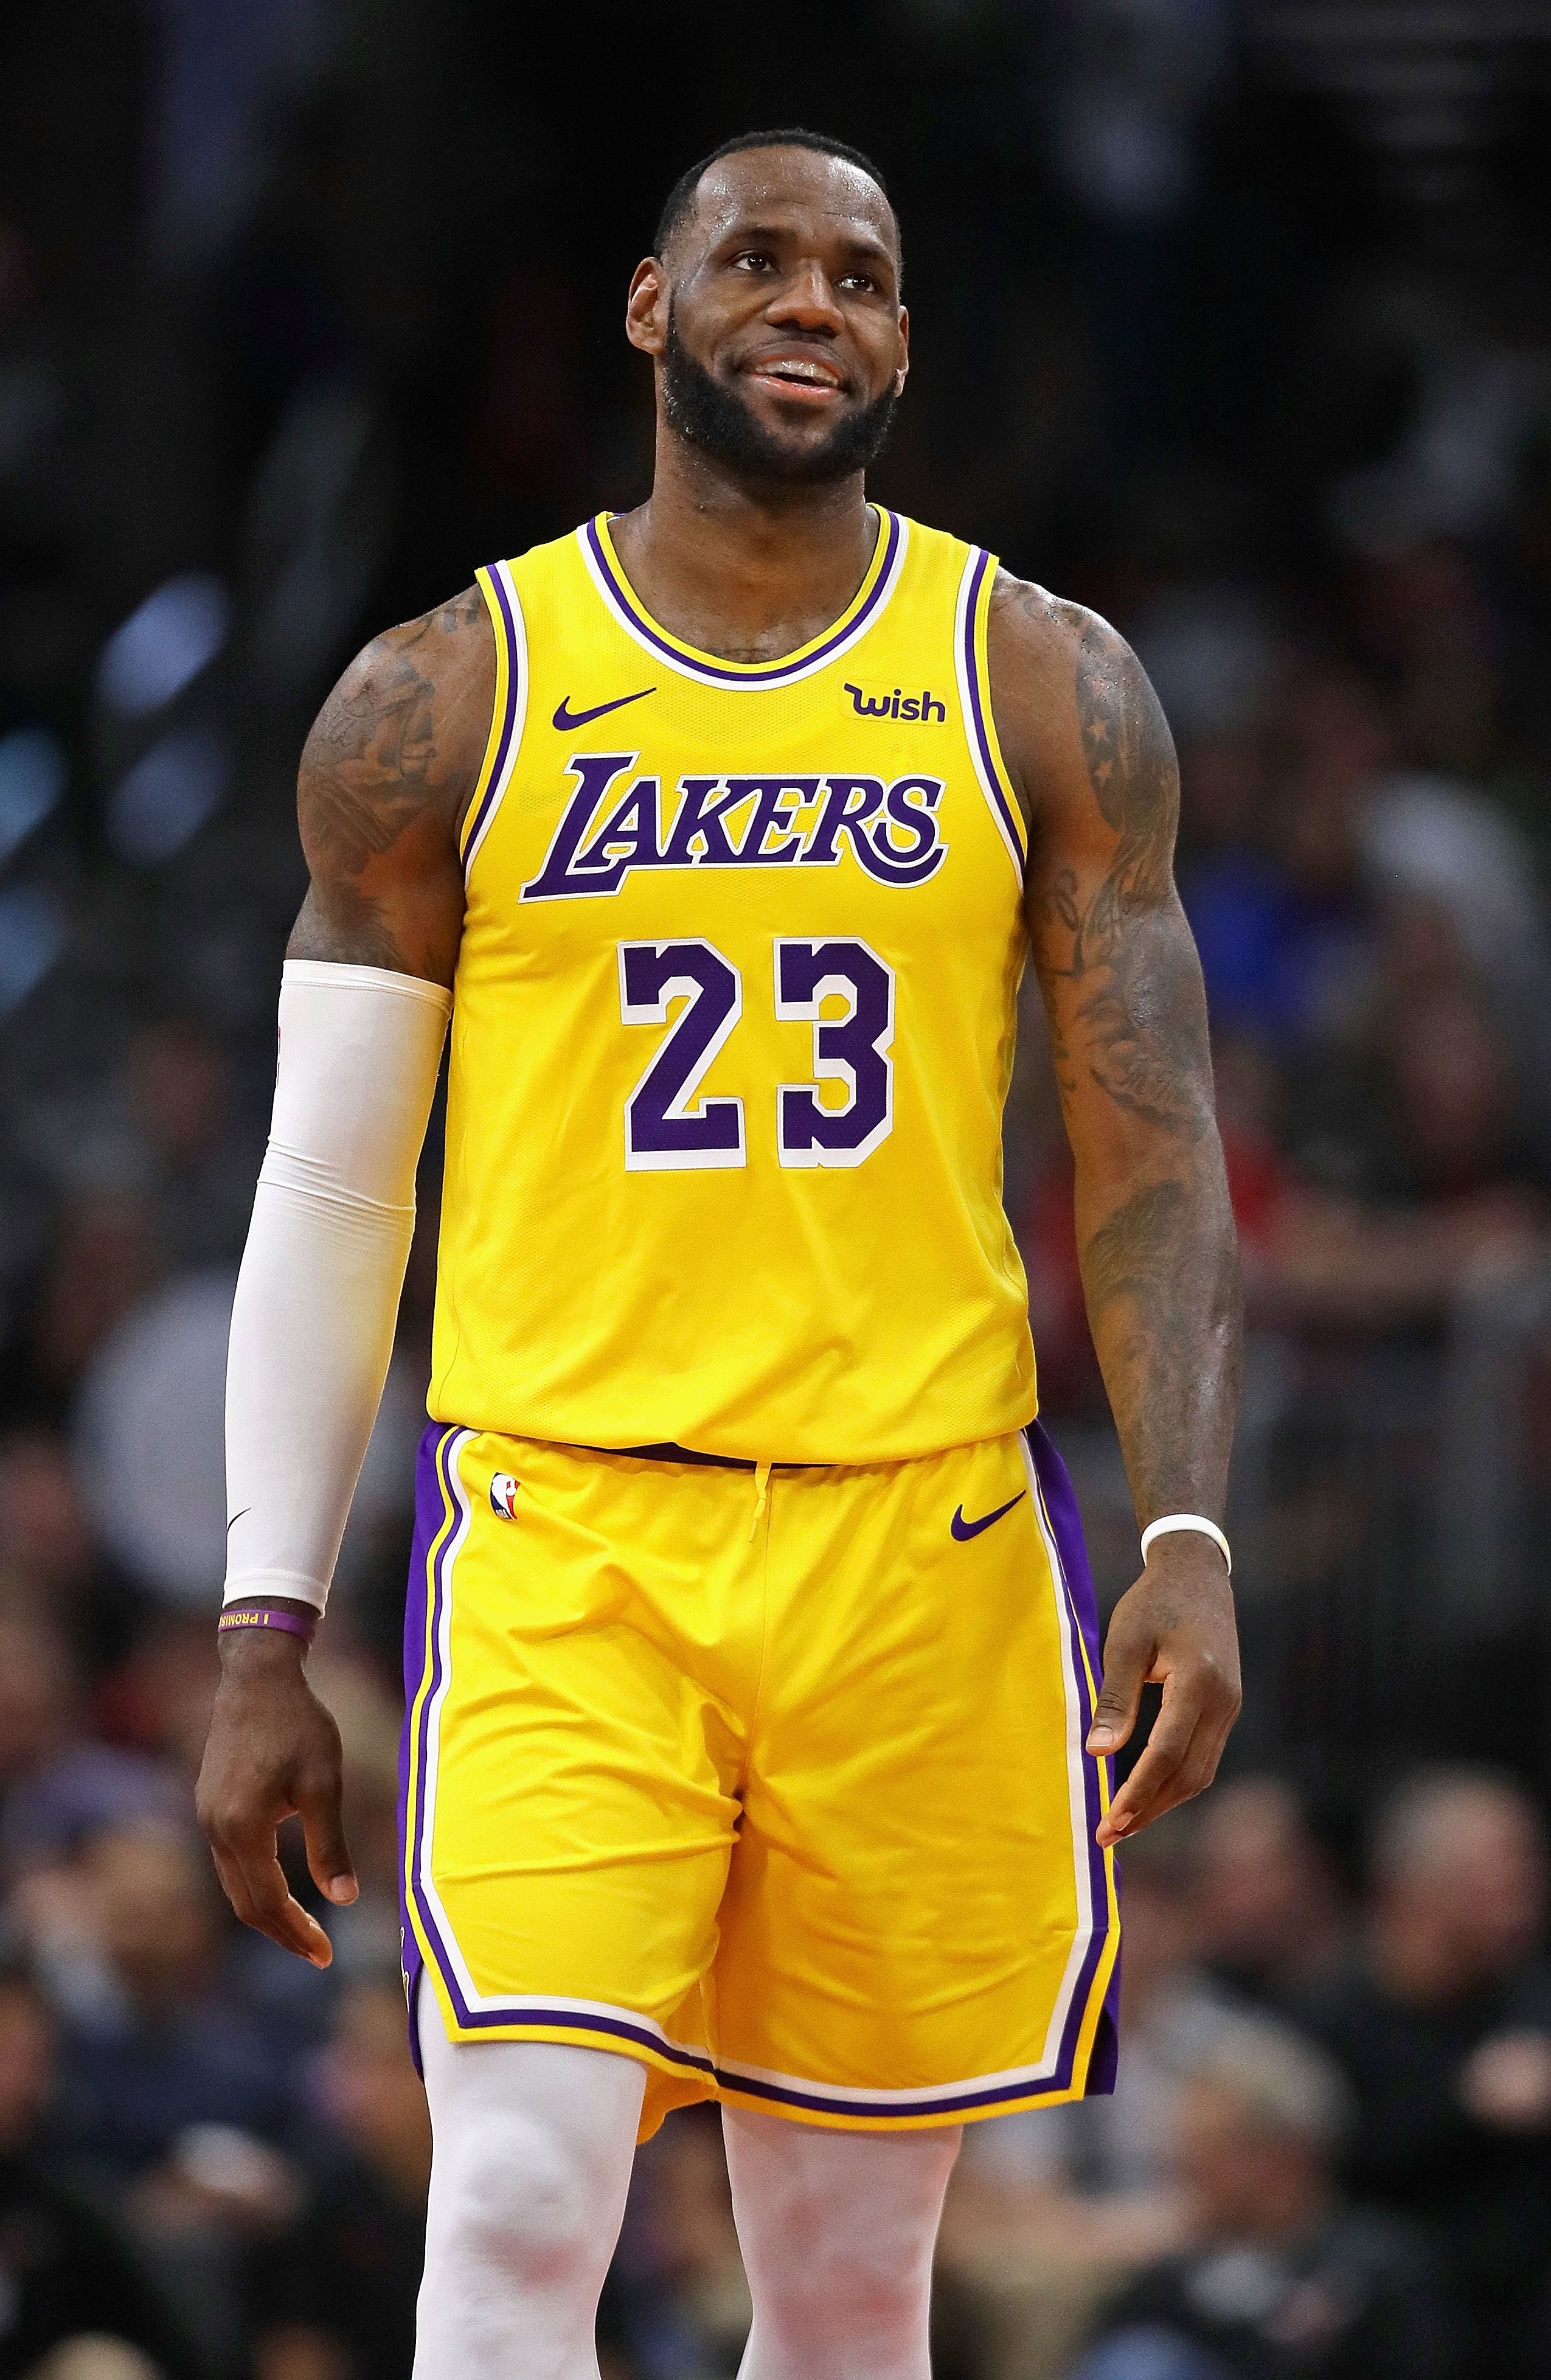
column 677, row 203
column 1286, row 2083
column 1417, row 1820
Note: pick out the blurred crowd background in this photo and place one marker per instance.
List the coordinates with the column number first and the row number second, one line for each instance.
column 1232, row 318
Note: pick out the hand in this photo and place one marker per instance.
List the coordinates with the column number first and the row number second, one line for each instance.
column 273, row 1753
column 1175, row 1629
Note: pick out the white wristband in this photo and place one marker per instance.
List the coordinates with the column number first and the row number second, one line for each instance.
column 1172, row 1521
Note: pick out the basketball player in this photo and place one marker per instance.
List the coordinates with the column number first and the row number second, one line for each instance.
column 756, row 1747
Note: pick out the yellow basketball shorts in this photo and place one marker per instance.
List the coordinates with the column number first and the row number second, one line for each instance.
column 774, row 1782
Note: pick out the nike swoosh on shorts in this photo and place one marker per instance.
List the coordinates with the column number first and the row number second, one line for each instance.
column 964, row 1530
column 565, row 720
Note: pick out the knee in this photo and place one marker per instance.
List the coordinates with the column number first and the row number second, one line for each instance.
column 845, row 2266
column 516, row 2202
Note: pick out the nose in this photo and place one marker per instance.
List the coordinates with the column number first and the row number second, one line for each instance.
column 808, row 301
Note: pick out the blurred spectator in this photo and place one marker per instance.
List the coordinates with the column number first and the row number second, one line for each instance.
column 333, row 2296
column 149, row 1437
column 52, row 1565
column 1414, row 1183
column 104, row 1257
column 677, row 2303
column 1267, row 1911
column 1281, row 2280
column 1233, row 888
column 158, row 1698
column 1272, row 872
column 1419, row 609
column 163, row 2066
column 1441, row 2021
column 59, row 1785
column 203, row 1164
column 72, row 2286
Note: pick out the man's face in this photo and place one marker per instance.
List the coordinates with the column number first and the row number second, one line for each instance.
column 775, row 317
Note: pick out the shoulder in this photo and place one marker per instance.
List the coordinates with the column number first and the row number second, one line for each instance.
column 1045, row 641
column 1072, row 703
column 411, row 714
column 425, row 671
column 1028, row 620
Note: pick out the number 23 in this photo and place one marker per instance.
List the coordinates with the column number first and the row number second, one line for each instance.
column 669, row 1126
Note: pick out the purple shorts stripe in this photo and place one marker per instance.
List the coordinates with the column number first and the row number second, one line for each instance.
column 769, row 673
column 825, row 2102
column 433, row 1515
column 1059, row 1501
column 444, row 1447
column 609, row 2028
column 514, row 688
column 978, row 707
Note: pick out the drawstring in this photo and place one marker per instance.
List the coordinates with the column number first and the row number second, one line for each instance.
column 761, row 1495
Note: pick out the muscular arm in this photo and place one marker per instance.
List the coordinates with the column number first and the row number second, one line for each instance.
column 385, row 777
column 1090, row 751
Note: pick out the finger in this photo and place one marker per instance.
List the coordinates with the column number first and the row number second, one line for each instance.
column 1128, row 1655
column 232, row 1885
column 1166, row 1748
column 1180, row 1776
column 328, row 1853
column 272, row 1910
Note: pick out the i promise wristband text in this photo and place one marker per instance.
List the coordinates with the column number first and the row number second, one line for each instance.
column 243, row 1616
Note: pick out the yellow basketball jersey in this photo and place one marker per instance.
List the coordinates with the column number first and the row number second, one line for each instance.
column 732, row 1028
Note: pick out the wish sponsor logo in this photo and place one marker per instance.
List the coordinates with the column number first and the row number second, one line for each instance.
column 891, row 828
column 924, row 706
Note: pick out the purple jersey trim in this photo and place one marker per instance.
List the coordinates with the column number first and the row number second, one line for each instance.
column 979, row 700
column 513, row 688
column 769, row 673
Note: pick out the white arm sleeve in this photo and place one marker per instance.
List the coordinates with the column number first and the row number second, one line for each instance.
column 317, row 1298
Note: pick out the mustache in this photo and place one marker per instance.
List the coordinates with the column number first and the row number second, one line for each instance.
column 716, row 420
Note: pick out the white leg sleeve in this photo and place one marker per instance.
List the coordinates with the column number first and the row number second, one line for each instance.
column 534, row 2142
column 837, row 2231
column 317, row 1298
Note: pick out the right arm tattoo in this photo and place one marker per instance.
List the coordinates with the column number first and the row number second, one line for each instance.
column 384, row 775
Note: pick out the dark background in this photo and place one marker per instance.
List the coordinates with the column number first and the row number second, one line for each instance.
column 1230, row 317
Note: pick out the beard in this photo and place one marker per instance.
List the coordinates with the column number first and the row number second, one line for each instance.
column 710, row 417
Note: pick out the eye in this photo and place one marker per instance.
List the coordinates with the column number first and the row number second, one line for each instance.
column 858, row 281
column 750, row 260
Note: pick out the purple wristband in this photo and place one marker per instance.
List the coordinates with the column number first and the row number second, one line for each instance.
column 263, row 1615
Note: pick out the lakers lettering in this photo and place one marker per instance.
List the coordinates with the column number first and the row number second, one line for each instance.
column 615, row 823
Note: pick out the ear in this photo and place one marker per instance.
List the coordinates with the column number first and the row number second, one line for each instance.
column 646, row 309
column 903, row 373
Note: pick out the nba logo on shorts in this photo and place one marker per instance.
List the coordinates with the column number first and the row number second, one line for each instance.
column 503, row 1496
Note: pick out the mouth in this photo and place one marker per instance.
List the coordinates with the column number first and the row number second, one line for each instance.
column 797, row 376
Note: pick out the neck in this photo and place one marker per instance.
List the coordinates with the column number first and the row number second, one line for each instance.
column 746, row 570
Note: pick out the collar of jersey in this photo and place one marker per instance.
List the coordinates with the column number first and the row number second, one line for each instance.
column 861, row 612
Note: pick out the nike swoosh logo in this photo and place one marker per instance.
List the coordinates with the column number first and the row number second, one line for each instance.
column 236, row 1517
column 567, row 720
column 964, row 1530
